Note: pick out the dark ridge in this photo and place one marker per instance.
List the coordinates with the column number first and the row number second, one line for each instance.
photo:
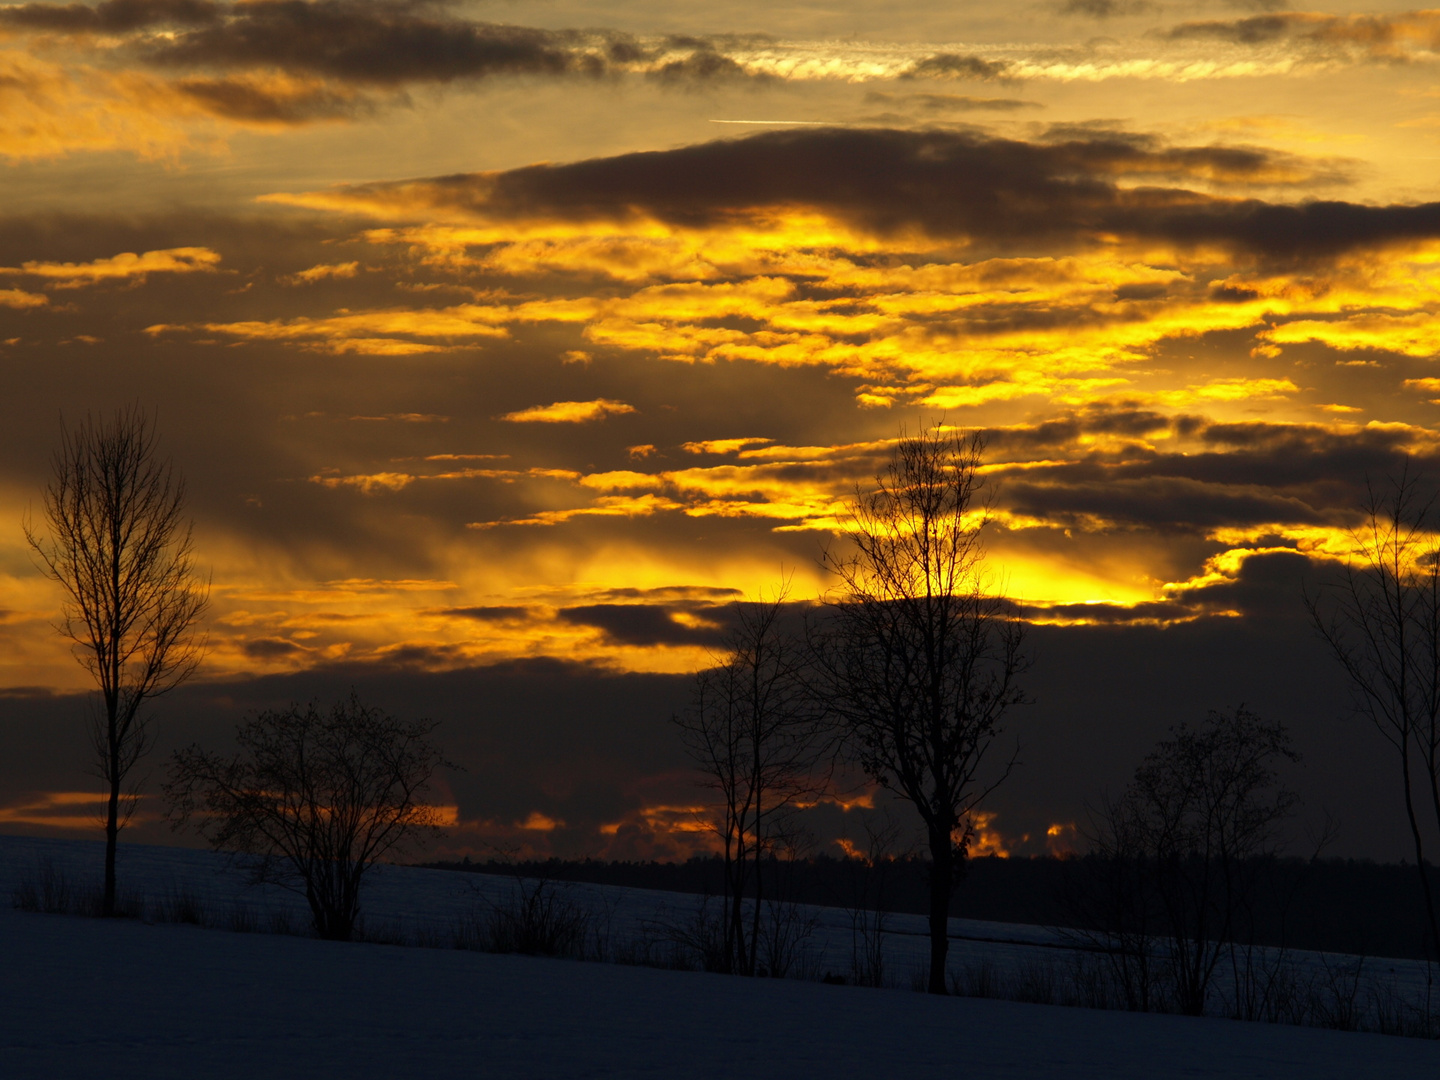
column 1332, row 905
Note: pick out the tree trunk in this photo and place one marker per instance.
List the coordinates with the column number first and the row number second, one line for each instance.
column 942, row 871
column 112, row 835
column 1433, row 944
column 735, row 950
column 758, row 857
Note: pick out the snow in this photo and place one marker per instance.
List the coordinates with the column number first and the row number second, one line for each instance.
column 120, row 998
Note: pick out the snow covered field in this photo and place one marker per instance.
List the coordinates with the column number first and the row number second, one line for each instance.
column 122, row 998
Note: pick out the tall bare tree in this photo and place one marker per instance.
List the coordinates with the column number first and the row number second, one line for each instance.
column 1381, row 619
column 120, row 547
column 918, row 658
column 755, row 735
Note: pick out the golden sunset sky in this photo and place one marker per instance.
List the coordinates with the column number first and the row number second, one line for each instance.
column 503, row 344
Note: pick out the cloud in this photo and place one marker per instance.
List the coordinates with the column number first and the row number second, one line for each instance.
column 281, row 63
column 127, row 264
column 273, row 100
column 1234, row 483
column 956, row 66
column 321, row 272
column 1106, row 9
column 1157, row 501
column 649, row 624
column 381, row 43
column 570, row 412
column 389, row 332
column 273, row 649
column 1254, row 30
column 1381, row 38
column 19, row 299
column 111, row 16
column 493, row 613
column 722, row 446
column 704, row 65
column 56, row 809
column 1060, row 191
column 939, row 103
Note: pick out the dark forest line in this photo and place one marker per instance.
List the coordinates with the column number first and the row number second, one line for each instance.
column 1334, row 905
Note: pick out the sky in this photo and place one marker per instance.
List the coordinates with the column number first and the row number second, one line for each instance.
column 504, row 345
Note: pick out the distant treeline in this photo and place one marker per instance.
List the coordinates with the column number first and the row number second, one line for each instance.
column 1335, row 905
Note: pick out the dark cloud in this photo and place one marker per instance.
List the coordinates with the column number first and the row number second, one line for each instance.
column 938, row 103
column 1384, row 38
column 111, row 16
column 381, row 42
column 1269, row 585
column 386, row 43
column 498, row 613
column 1060, row 432
column 1106, row 9
column 1155, row 611
column 238, row 100
column 30, row 693
column 1240, row 474
column 1256, row 30
column 646, row 624
column 956, row 66
column 271, row 649
column 1228, row 294
column 1311, row 229
column 1293, row 454
column 426, row 657
column 702, row 66
column 1158, row 502
column 948, row 184
column 1142, row 291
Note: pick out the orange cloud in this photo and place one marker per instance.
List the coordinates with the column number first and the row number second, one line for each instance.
column 388, row 332
column 57, row 809
column 985, row 840
column 20, row 300
column 183, row 260
column 570, row 412
column 323, row 271
column 1062, row 839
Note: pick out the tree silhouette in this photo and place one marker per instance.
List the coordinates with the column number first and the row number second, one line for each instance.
column 315, row 797
column 120, row 547
column 754, row 733
column 1381, row 619
column 917, row 659
column 1178, row 854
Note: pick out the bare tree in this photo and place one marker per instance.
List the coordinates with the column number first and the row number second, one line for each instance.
column 753, row 732
column 1381, row 619
column 120, row 547
column 918, row 659
column 866, row 899
column 1178, row 855
column 316, row 798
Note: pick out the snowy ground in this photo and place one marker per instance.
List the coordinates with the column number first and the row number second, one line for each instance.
column 122, row 998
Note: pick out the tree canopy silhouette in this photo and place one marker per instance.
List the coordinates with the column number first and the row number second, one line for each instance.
column 316, row 798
